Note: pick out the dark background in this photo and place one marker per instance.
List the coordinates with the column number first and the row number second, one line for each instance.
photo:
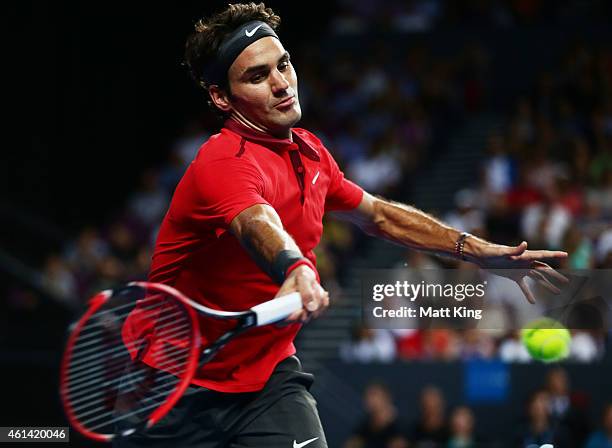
column 100, row 94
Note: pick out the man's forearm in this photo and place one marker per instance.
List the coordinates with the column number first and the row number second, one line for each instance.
column 411, row 227
column 265, row 239
column 260, row 231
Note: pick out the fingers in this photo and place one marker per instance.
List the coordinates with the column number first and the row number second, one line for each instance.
column 525, row 288
column 542, row 280
column 550, row 271
column 516, row 252
column 314, row 298
column 312, row 293
column 521, row 248
column 543, row 254
column 323, row 305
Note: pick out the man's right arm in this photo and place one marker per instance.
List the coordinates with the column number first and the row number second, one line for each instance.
column 260, row 231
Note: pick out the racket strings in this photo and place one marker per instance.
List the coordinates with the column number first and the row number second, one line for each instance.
column 77, row 390
column 115, row 413
column 107, row 383
column 109, row 323
column 102, row 405
column 118, row 358
column 174, row 331
column 161, row 390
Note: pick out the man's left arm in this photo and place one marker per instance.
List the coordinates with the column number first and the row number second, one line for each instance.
column 411, row 227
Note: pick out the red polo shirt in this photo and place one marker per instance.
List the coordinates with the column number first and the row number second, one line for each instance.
column 195, row 253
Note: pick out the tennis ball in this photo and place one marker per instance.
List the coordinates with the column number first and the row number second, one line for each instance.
column 546, row 340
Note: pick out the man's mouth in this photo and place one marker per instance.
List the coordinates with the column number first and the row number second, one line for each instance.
column 285, row 103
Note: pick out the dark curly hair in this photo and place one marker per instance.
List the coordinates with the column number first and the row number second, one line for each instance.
column 201, row 46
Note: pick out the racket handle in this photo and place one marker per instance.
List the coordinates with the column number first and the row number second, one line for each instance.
column 277, row 309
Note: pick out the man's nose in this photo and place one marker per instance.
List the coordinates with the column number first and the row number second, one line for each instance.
column 279, row 82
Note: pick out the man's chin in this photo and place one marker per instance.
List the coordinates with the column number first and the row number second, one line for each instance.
column 293, row 117
column 287, row 120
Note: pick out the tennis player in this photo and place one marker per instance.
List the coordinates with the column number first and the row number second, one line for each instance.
column 242, row 226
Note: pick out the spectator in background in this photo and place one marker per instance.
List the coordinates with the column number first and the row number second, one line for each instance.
column 476, row 344
column 602, row 438
column 59, row 280
column 467, row 217
column 546, row 222
column 111, row 272
column 192, row 138
column 150, row 202
column 579, row 248
column 86, row 252
column 381, row 428
column 603, row 249
column 599, row 197
column 462, row 429
column 538, row 430
column 499, row 168
column 566, row 410
column 122, row 242
column 601, row 164
column 380, row 171
column 350, row 144
column 512, row 349
column 368, row 345
column 585, row 344
column 430, row 430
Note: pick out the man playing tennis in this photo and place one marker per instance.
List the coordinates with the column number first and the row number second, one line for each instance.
column 242, row 226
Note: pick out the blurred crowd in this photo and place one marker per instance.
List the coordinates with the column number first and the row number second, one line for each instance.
column 546, row 179
column 423, row 15
column 554, row 414
column 379, row 123
column 118, row 251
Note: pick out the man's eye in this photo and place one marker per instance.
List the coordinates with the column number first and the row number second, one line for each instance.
column 257, row 78
column 283, row 66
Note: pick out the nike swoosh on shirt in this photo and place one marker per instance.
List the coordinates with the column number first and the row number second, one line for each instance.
column 315, row 178
column 250, row 33
column 300, row 445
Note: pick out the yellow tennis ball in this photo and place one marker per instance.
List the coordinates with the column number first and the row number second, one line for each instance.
column 546, row 340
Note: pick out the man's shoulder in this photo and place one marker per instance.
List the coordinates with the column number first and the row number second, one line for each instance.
column 222, row 145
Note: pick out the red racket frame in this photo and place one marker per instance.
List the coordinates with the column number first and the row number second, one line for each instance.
column 98, row 301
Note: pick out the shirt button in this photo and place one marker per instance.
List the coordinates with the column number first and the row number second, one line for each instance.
column 294, row 146
column 300, row 169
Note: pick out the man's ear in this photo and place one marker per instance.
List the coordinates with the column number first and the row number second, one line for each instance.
column 220, row 98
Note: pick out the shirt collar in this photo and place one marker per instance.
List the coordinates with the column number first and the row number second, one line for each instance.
column 271, row 142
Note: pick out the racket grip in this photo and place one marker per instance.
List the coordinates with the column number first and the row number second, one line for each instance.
column 277, row 309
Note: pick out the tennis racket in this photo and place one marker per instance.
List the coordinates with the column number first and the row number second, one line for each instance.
column 134, row 352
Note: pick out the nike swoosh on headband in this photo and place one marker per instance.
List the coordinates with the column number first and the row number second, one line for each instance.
column 250, row 33
column 306, row 442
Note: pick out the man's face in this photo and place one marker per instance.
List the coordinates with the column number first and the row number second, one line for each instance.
column 263, row 86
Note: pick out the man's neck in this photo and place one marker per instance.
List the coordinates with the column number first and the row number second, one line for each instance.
column 235, row 115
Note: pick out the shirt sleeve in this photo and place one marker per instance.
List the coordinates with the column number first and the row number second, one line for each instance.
column 342, row 193
column 226, row 187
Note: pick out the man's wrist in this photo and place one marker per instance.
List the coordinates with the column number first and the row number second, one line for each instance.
column 306, row 264
column 460, row 245
column 285, row 262
column 472, row 249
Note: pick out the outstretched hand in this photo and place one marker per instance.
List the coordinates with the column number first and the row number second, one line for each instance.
column 517, row 263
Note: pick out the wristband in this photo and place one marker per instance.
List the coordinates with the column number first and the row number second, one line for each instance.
column 303, row 261
column 285, row 262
